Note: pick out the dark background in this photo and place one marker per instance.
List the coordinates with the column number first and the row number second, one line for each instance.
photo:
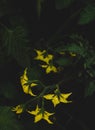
column 79, row 115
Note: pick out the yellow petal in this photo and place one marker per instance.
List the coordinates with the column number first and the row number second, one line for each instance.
column 72, row 54
column 48, row 96
column 48, row 114
column 51, row 68
column 66, row 95
column 25, row 88
column 55, row 100
column 22, row 80
column 48, row 58
column 38, row 117
column 31, row 93
column 33, row 84
column 34, row 112
column 18, row 109
column 44, row 66
column 63, row 98
column 54, row 69
column 48, row 69
column 47, row 119
column 40, row 55
column 25, row 74
column 62, row 52
column 39, row 52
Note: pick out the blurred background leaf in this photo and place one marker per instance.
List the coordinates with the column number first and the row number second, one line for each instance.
column 90, row 89
column 15, row 42
column 87, row 15
column 8, row 119
column 61, row 4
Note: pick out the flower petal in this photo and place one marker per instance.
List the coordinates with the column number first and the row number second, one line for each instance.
column 33, row 84
column 38, row 117
column 66, row 95
column 18, row 109
column 48, row 96
column 73, row 54
column 51, row 68
column 55, row 100
column 44, row 66
column 46, row 117
column 48, row 114
column 31, row 93
column 35, row 112
column 63, row 98
column 25, row 88
column 54, row 69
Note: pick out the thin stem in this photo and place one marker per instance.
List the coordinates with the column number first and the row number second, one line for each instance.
column 37, row 97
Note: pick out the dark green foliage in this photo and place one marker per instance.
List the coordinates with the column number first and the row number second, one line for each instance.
column 25, row 27
column 90, row 89
column 8, row 90
column 64, row 61
column 8, row 119
column 15, row 42
column 87, row 15
column 61, row 4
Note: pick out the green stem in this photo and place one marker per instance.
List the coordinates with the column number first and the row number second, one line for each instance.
column 37, row 97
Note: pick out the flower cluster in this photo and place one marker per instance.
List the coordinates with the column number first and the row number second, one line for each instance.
column 47, row 59
column 56, row 97
column 26, row 85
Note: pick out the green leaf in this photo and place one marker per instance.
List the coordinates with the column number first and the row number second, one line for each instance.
column 63, row 61
column 8, row 119
column 61, row 4
column 90, row 89
column 15, row 41
column 73, row 47
column 87, row 15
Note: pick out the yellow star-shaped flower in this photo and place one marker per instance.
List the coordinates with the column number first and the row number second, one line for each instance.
column 18, row 109
column 73, row 54
column 41, row 56
column 41, row 114
column 58, row 97
column 49, row 68
column 25, row 85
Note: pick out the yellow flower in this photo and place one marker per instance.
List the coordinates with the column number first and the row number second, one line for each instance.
column 49, row 68
column 40, row 113
column 58, row 97
column 18, row 109
column 62, row 52
column 41, row 55
column 72, row 54
column 25, row 85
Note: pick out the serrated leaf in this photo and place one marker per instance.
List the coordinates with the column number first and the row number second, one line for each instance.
column 61, row 4
column 15, row 41
column 87, row 15
column 90, row 89
column 8, row 120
